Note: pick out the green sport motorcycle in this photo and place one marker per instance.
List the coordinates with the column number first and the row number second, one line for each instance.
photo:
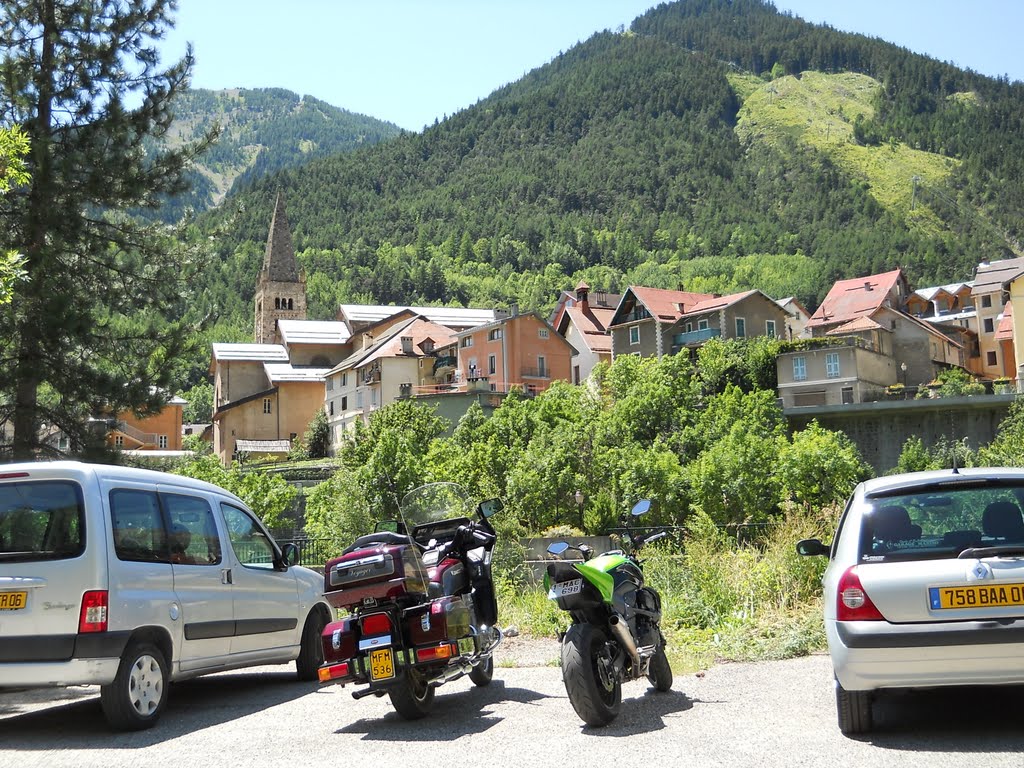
column 615, row 635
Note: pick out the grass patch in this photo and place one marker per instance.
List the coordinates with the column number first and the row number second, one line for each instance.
column 722, row 601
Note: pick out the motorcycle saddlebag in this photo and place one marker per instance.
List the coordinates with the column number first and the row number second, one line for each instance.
column 379, row 573
column 339, row 640
column 446, row 618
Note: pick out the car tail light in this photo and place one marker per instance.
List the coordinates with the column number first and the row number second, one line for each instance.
column 376, row 624
column 93, row 617
column 433, row 654
column 11, row 475
column 852, row 602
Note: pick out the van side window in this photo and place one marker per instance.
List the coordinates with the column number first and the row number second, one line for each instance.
column 138, row 526
column 193, row 533
column 251, row 544
column 41, row 521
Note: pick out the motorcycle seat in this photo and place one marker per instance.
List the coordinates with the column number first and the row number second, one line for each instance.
column 379, row 537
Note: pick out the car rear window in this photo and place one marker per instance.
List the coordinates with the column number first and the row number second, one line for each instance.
column 942, row 521
column 41, row 520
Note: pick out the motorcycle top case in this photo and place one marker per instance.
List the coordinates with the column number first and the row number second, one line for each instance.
column 379, row 572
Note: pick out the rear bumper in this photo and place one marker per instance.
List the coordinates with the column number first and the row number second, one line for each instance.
column 54, row 674
column 872, row 655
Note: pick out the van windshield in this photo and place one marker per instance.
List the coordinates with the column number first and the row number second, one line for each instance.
column 41, row 520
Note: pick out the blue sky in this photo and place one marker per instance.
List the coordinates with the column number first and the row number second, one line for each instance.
column 411, row 61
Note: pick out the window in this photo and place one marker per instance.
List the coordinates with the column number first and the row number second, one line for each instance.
column 359, row 399
column 989, row 325
column 990, row 358
column 576, row 374
column 986, row 301
column 741, row 327
column 161, row 442
column 634, row 334
column 832, row 365
column 330, row 408
column 799, row 369
column 543, row 333
column 847, row 393
column 542, row 366
column 344, row 404
column 330, row 384
column 689, row 327
column 769, row 329
column 251, row 544
column 493, row 335
column 492, row 364
column 344, row 379
column 466, row 341
column 119, row 441
column 41, row 520
column 193, row 538
column 137, row 526
column 702, row 325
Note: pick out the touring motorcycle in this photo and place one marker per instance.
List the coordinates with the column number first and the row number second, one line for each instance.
column 615, row 635
column 420, row 601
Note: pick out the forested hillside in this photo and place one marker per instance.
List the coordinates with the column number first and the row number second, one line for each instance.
column 262, row 130
column 631, row 159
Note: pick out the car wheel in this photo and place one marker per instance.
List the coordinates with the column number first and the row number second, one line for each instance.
column 311, row 650
column 138, row 694
column 854, row 710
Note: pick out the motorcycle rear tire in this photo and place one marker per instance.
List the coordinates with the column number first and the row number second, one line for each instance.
column 412, row 697
column 482, row 673
column 659, row 673
column 593, row 693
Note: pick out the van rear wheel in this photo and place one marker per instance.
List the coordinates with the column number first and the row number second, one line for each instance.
column 136, row 698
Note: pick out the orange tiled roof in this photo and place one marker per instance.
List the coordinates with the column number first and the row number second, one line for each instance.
column 858, row 297
column 1005, row 330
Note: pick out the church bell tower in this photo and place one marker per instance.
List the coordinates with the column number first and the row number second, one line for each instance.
column 281, row 288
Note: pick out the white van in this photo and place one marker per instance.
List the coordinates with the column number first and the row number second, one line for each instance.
column 131, row 579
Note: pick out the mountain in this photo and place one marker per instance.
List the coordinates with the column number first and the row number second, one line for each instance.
column 717, row 145
column 262, row 130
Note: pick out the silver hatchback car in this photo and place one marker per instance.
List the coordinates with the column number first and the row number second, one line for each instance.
column 925, row 586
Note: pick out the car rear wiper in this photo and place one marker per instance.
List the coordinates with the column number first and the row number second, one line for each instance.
column 997, row 551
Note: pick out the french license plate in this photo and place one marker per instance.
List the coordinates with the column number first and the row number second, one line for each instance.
column 382, row 664
column 976, row 596
column 566, row 588
column 13, row 601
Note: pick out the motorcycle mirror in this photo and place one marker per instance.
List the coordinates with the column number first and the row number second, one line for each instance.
column 490, row 507
column 641, row 506
column 557, row 547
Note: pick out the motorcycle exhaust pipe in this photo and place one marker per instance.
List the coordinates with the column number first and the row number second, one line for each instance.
column 621, row 631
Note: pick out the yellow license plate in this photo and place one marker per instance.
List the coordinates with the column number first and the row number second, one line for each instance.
column 382, row 664
column 976, row 596
column 13, row 601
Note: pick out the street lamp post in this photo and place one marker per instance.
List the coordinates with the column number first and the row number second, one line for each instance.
column 579, row 505
column 903, row 367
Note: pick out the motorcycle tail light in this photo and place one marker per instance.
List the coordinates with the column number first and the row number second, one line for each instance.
column 376, row 624
column 333, row 672
column 852, row 601
column 434, row 654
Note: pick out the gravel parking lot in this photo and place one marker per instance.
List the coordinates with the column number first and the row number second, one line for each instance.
column 770, row 714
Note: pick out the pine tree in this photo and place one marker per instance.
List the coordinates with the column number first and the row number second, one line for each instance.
column 95, row 328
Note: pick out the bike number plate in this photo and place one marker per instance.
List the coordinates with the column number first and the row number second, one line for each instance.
column 382, row 664
column 566, row 588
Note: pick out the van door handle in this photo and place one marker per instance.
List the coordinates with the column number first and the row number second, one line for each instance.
column 225, row 576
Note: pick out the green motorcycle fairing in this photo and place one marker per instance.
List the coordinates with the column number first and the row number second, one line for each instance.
column 599, row 573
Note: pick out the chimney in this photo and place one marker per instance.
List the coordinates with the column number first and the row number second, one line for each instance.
column 513, row 309
column 407, row 345
column 867, row 285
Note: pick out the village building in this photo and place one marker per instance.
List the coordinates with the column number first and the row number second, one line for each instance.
column 585, row 326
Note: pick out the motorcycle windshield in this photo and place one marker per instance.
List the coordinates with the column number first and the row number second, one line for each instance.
column 435, row 502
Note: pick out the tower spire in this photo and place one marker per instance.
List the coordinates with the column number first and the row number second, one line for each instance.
column 279, row 258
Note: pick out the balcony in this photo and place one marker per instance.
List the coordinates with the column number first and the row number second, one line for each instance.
column 694, row 338
column 536, row 373
column 445, row 363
